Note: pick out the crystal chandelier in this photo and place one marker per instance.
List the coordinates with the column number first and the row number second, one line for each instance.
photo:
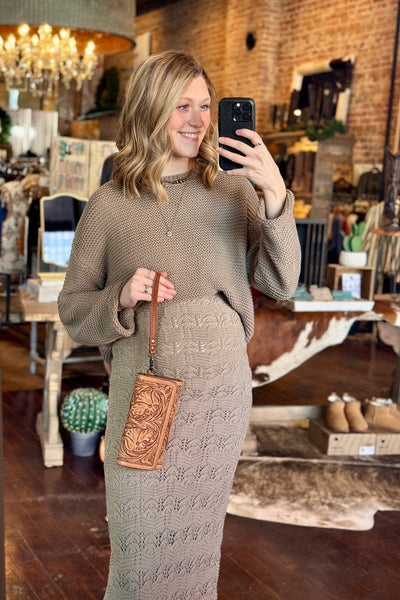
column 37, row 62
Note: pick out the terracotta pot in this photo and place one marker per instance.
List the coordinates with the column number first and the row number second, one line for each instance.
column 352, row 259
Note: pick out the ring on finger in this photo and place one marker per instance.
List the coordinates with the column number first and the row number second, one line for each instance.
column 146, row 289
column 258, row 144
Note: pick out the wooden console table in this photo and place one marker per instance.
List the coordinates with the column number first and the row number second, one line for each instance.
column 57, row 348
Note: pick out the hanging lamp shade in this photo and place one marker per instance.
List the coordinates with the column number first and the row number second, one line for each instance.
column 109, row 24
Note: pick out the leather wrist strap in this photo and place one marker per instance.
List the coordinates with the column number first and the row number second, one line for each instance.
column 153, row 320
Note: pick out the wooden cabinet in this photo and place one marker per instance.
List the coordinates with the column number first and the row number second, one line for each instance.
column 330, row 153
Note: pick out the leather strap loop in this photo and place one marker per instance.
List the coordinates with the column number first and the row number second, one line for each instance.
column 153, row 315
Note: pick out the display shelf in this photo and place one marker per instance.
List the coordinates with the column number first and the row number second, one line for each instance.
column 282, row 137
column 328, row 153
column 328, row 305
column 334, row 278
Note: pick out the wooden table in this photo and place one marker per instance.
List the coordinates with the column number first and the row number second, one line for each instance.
column 284, row 339
column 57, row 348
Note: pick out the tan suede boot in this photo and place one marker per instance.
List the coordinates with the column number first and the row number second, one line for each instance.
column 386, row 402
column 381, row 418
column 353, row 414
column 335, row 419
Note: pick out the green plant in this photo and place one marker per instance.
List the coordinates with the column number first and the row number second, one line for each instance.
column 353, row 243
column 324, row 130
column 107, row 92
column 5, row 127
column 84, row 410
column 318, row 131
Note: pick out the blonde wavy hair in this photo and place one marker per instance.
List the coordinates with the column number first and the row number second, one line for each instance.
column 142, row 139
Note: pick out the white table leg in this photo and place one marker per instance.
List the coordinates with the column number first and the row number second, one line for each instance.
column 47, row 423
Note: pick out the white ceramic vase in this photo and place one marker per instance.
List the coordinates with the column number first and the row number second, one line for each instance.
column 352, row 259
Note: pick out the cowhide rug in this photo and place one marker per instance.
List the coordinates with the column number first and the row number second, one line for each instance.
column 315, row 490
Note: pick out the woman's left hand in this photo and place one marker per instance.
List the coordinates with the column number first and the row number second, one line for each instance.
column 258, row 166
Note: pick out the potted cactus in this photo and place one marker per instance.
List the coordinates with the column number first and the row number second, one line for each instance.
column 352, row 254
column 84, row 414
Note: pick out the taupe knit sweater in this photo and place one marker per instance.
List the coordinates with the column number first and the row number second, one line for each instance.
column 221, row 243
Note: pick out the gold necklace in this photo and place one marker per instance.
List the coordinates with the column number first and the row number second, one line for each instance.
column 169, row 227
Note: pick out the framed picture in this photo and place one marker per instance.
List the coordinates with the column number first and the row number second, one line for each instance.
column 351, row 282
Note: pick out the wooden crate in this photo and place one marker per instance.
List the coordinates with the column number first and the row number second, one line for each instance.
column 387, row 443
column 341, row 444
column 334, row 279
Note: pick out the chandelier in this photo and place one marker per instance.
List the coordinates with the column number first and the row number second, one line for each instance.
column 60, row 40
column 37, row 62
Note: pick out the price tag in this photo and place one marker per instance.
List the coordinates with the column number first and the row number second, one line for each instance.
column 366, row 451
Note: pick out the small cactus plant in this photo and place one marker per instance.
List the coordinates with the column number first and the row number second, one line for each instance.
column 84, row 410
column 353, row 243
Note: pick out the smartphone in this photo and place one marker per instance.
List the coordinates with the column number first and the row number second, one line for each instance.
column 233, row 114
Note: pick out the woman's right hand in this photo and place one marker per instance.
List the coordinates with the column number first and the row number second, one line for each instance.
column 140, row 287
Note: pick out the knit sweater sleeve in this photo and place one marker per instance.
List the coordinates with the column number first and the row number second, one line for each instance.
column 274, row 255
column 88, row 303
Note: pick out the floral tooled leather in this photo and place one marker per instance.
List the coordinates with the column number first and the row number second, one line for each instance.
column 149, row 421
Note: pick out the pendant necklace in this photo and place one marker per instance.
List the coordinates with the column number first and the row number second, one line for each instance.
column 169, row 227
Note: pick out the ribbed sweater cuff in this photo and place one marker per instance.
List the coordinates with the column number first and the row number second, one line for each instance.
column 287, row 209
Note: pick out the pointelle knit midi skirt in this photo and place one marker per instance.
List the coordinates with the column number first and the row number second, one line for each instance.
column 166, row 525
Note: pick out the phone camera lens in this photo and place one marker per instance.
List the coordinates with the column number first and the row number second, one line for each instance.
column 236, row 112
column 246, row 106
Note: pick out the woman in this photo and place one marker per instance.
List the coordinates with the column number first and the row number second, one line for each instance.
column 169, row 209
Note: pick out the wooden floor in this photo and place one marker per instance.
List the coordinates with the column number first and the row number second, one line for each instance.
column 56, row 533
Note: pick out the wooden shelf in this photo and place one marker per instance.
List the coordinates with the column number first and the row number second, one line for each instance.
column 334, row 278
column 282, row 136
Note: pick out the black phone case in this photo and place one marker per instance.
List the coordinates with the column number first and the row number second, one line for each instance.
column 227, row 126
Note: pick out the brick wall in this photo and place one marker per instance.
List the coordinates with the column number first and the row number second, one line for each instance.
column 215, row 32
column 314, row 30
column 198, row 28
column 289, row 33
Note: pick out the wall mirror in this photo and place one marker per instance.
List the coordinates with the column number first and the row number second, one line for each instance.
column 59, row 216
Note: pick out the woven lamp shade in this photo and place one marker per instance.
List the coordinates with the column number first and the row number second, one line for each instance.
column 110, row 24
